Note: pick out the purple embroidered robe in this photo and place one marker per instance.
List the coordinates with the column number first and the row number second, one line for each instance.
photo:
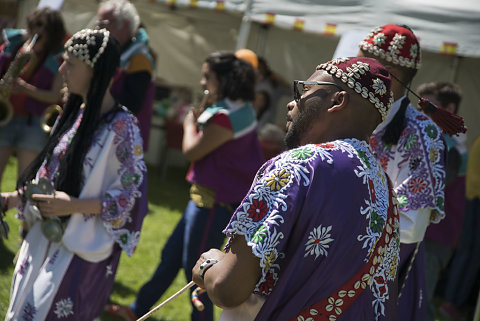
column 314, row 216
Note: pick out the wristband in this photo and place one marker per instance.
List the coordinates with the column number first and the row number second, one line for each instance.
column 205, row 266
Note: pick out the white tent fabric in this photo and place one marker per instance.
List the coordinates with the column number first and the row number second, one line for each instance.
column 435, row 21
column 301, row 34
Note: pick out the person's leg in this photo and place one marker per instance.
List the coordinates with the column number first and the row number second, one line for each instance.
column 436, row 259
column 24, row 158
column 462, row 258
column 30, row 140
column 203, row 232
column 7, row 145
column 471, row 269
column 170, row 264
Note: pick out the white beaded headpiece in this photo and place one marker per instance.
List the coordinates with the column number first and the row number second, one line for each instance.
column 367, row 77
column 84, row 43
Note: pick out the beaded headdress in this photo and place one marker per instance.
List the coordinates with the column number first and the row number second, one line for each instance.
column 367, row 77
column 88, row 45
column 394, row 44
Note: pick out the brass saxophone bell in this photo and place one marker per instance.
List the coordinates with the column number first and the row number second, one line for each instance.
column 49, row 116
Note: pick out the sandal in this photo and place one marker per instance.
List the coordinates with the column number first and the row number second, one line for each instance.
column 121, row 311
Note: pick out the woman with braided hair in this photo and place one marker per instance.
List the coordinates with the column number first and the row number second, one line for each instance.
column 94, row 163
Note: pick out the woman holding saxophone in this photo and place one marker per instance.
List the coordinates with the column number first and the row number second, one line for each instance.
column 29, row 61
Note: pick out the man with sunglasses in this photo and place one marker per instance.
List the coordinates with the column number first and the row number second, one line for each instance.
column 411, row 149
column 316, row 237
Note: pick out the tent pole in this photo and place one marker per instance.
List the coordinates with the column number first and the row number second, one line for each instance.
column 245, row 26
column 456, row 62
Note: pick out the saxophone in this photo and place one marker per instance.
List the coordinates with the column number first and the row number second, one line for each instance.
column 12, row 73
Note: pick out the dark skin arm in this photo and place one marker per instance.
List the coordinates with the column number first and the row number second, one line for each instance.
column 232, row 280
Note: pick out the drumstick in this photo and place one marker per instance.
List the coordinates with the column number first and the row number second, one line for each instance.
column 161, row 305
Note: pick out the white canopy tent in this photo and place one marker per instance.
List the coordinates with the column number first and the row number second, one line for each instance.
column 296, row 35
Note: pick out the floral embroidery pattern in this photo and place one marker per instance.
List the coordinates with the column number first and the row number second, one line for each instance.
column 23, row 267
column 411, row 141
column 414, row 51
column 64, row 308
column 302, row 153
column 260, row 234
column 278, row 180
column 396, row 44
column 417, row 185
column 318, row 240
column 28, row 313
column 54, row 257
column 417, row 162
column 379, row 87
column 381, row 268
column 376, row 222
column 379, row 39
column 258, row 210
column 108, row 271
column 414, row 163
column 431, row 131
column 117, row 204
column 265, row 209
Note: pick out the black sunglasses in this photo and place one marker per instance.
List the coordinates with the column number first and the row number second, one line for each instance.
column 296, row 92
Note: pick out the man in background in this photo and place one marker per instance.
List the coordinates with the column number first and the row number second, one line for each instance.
column 133, row 85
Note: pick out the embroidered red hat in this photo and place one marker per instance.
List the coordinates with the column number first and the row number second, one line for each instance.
column 394, row 44
column 366, row 76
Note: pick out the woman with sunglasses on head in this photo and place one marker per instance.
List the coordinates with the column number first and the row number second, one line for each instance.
column 33, row 88
column 94, row 162
column 221, row 143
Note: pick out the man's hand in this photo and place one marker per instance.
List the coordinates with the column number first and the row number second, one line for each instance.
column 210, row 254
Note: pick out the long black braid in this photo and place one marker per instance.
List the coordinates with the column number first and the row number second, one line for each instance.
column 70, row 173
column 395, row 128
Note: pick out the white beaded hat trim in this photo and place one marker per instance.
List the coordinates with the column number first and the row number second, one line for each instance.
column 80, row 50
column 392, row 55
column 354, row 72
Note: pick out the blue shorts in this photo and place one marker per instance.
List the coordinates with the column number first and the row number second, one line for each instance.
column 21, row 135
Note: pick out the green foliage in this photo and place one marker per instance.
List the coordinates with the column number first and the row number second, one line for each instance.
column 167, row 200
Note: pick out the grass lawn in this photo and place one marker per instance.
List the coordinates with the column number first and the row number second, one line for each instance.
column 167, row 200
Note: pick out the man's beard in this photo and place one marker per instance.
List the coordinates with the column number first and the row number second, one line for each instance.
column 298, row 128
column 292, row 137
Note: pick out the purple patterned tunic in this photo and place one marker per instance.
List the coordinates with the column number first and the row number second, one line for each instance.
column 322, row 220
column 72, row 279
